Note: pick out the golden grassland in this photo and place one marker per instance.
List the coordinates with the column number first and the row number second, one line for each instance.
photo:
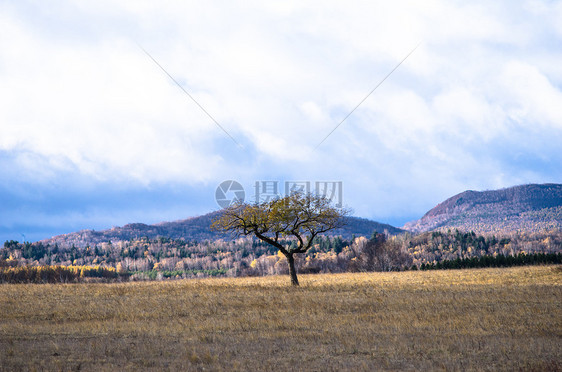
column 480, row 319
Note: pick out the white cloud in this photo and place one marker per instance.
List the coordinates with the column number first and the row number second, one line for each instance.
column 79, row 96
column 530, row 97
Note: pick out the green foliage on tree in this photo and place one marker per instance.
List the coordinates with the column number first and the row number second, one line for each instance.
column 55, row 274
column 496, row 261
column 300, row 216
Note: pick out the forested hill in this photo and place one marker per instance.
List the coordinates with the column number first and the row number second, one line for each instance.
column 194, row 229
column 526, row 208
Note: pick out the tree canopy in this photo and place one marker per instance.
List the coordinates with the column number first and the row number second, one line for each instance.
column 300, row 216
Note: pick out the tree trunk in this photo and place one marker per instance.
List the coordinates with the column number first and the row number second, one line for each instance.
column 292, row 271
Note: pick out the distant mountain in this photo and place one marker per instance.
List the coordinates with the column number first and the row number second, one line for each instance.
column 195, row 228
column 529, row 208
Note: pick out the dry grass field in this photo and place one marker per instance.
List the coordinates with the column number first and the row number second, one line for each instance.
column 485, row 319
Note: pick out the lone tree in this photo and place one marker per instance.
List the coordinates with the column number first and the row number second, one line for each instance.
column 301, row 216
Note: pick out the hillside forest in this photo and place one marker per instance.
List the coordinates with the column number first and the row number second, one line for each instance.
column 164, row 258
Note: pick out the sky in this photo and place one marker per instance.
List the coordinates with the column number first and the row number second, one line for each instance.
column 94, row 134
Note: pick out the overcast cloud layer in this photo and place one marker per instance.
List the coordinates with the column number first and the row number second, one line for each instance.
column 94, row 134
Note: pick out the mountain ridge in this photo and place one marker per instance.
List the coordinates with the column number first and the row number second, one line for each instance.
column 194, row 229
column 530, row 207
